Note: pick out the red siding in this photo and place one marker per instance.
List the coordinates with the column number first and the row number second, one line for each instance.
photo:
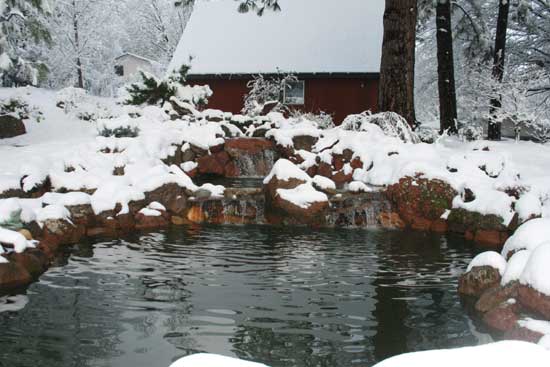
column 337, row 96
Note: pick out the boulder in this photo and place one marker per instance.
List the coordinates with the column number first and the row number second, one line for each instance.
column 145, row 222
column 493, row 297
column 304, row 142
column 34, row 261
column 460, row 220
column 13, row 275
column 478, row 280
column 391, row 220
column 11, row 127
column 534, row 301
column 420, row 201
column 502, row 318
column 62, row 231
column 523, row 334
column 236, row 147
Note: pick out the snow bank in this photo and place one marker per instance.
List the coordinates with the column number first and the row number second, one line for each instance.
column 502, row 354
column 545, row 342
column 213, row 360
column 535, row 273
column 303, row 195
column 528, row 236
column 489, row 258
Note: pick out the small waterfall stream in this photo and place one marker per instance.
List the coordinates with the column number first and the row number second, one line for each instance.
column 256, row 165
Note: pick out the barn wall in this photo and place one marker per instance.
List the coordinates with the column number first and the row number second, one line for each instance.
column 337, row 96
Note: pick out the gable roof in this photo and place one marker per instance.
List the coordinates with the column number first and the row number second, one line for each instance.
column 306, row 36
column 129, row 54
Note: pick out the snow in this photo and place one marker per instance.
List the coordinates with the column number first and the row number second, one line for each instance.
column 213, row 360
column 501, row 354
column 303, row 195
column 489, row 258
column 528, row 206
column 189, row 166
column 357, row 186
column 215, row 190
column 324, row 183
column 156, row 206
column 535, row 273
column 539, row 326
column 150, row 212
column 16, row 239
column 285, row 170
column 516, row 265
column 528, row 236
column 282, row 41
column 545, row 342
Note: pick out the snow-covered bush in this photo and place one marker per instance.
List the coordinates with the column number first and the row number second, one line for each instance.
column 266, row 91
column 427, row 135
column 122, row 127
column 20, row 109
column 322, row 119
column 470, row 132
column 79, row 103
column 391, row 123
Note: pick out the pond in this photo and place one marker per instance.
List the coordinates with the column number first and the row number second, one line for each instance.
column 281, row 296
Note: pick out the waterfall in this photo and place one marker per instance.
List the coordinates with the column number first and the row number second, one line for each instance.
column 256, row 165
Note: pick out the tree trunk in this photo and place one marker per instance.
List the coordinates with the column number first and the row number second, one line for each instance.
column 445, row 68
column 396, row 91
column 79, row 72
column 494, row 131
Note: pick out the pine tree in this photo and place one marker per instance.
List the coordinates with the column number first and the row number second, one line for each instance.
column 154, row 91
column 20, row 27
column 396, row 90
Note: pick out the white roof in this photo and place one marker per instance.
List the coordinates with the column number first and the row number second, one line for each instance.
column 306, row 36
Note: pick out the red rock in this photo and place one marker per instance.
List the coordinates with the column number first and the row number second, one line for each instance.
column 312, row 171
column 523, row 334
column 491, row 238
column 33, row 260
column 478, row 280
column 144, row 222
column 340, row 178
column 217, row 148
column 196, row 214
column 13, row 275
column 337, row 162
column 469, row 235
column 238, row 146
column 494, row 297
column 534, row 301
column 391, row 221
column 62, row 231
column 420, row 224
column 304, row 142
column 439, row 226
column 502, row 318
column 357, row 163
column 324, row 169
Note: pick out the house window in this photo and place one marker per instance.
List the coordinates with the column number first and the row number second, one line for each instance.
column 295, row 93
column 119, row 70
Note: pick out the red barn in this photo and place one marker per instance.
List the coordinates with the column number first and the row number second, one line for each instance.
column 333, row 47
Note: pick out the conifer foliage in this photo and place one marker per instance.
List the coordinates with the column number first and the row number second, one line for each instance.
column 155, row 91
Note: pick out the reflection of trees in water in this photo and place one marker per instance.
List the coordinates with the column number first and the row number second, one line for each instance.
column 419, row 315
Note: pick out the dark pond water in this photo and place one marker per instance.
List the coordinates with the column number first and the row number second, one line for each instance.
column 285, row 297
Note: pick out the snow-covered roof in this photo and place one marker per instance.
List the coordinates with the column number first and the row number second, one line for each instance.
column 306, row 36
column 128, row 54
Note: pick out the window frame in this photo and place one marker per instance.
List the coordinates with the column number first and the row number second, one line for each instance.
column 303, row 98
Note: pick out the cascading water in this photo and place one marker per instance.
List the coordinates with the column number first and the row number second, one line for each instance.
column 256, row 165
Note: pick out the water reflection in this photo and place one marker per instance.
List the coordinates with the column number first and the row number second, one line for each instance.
column 284, row 297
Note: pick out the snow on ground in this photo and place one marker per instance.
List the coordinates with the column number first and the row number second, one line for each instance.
column 213, row 360
column 502, row 354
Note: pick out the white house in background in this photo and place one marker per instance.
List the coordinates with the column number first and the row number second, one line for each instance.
column 128, row 65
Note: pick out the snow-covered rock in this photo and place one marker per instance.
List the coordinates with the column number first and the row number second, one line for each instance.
column 515, row 266
column 489, row 258
column 535, row 273
column 528, row 236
